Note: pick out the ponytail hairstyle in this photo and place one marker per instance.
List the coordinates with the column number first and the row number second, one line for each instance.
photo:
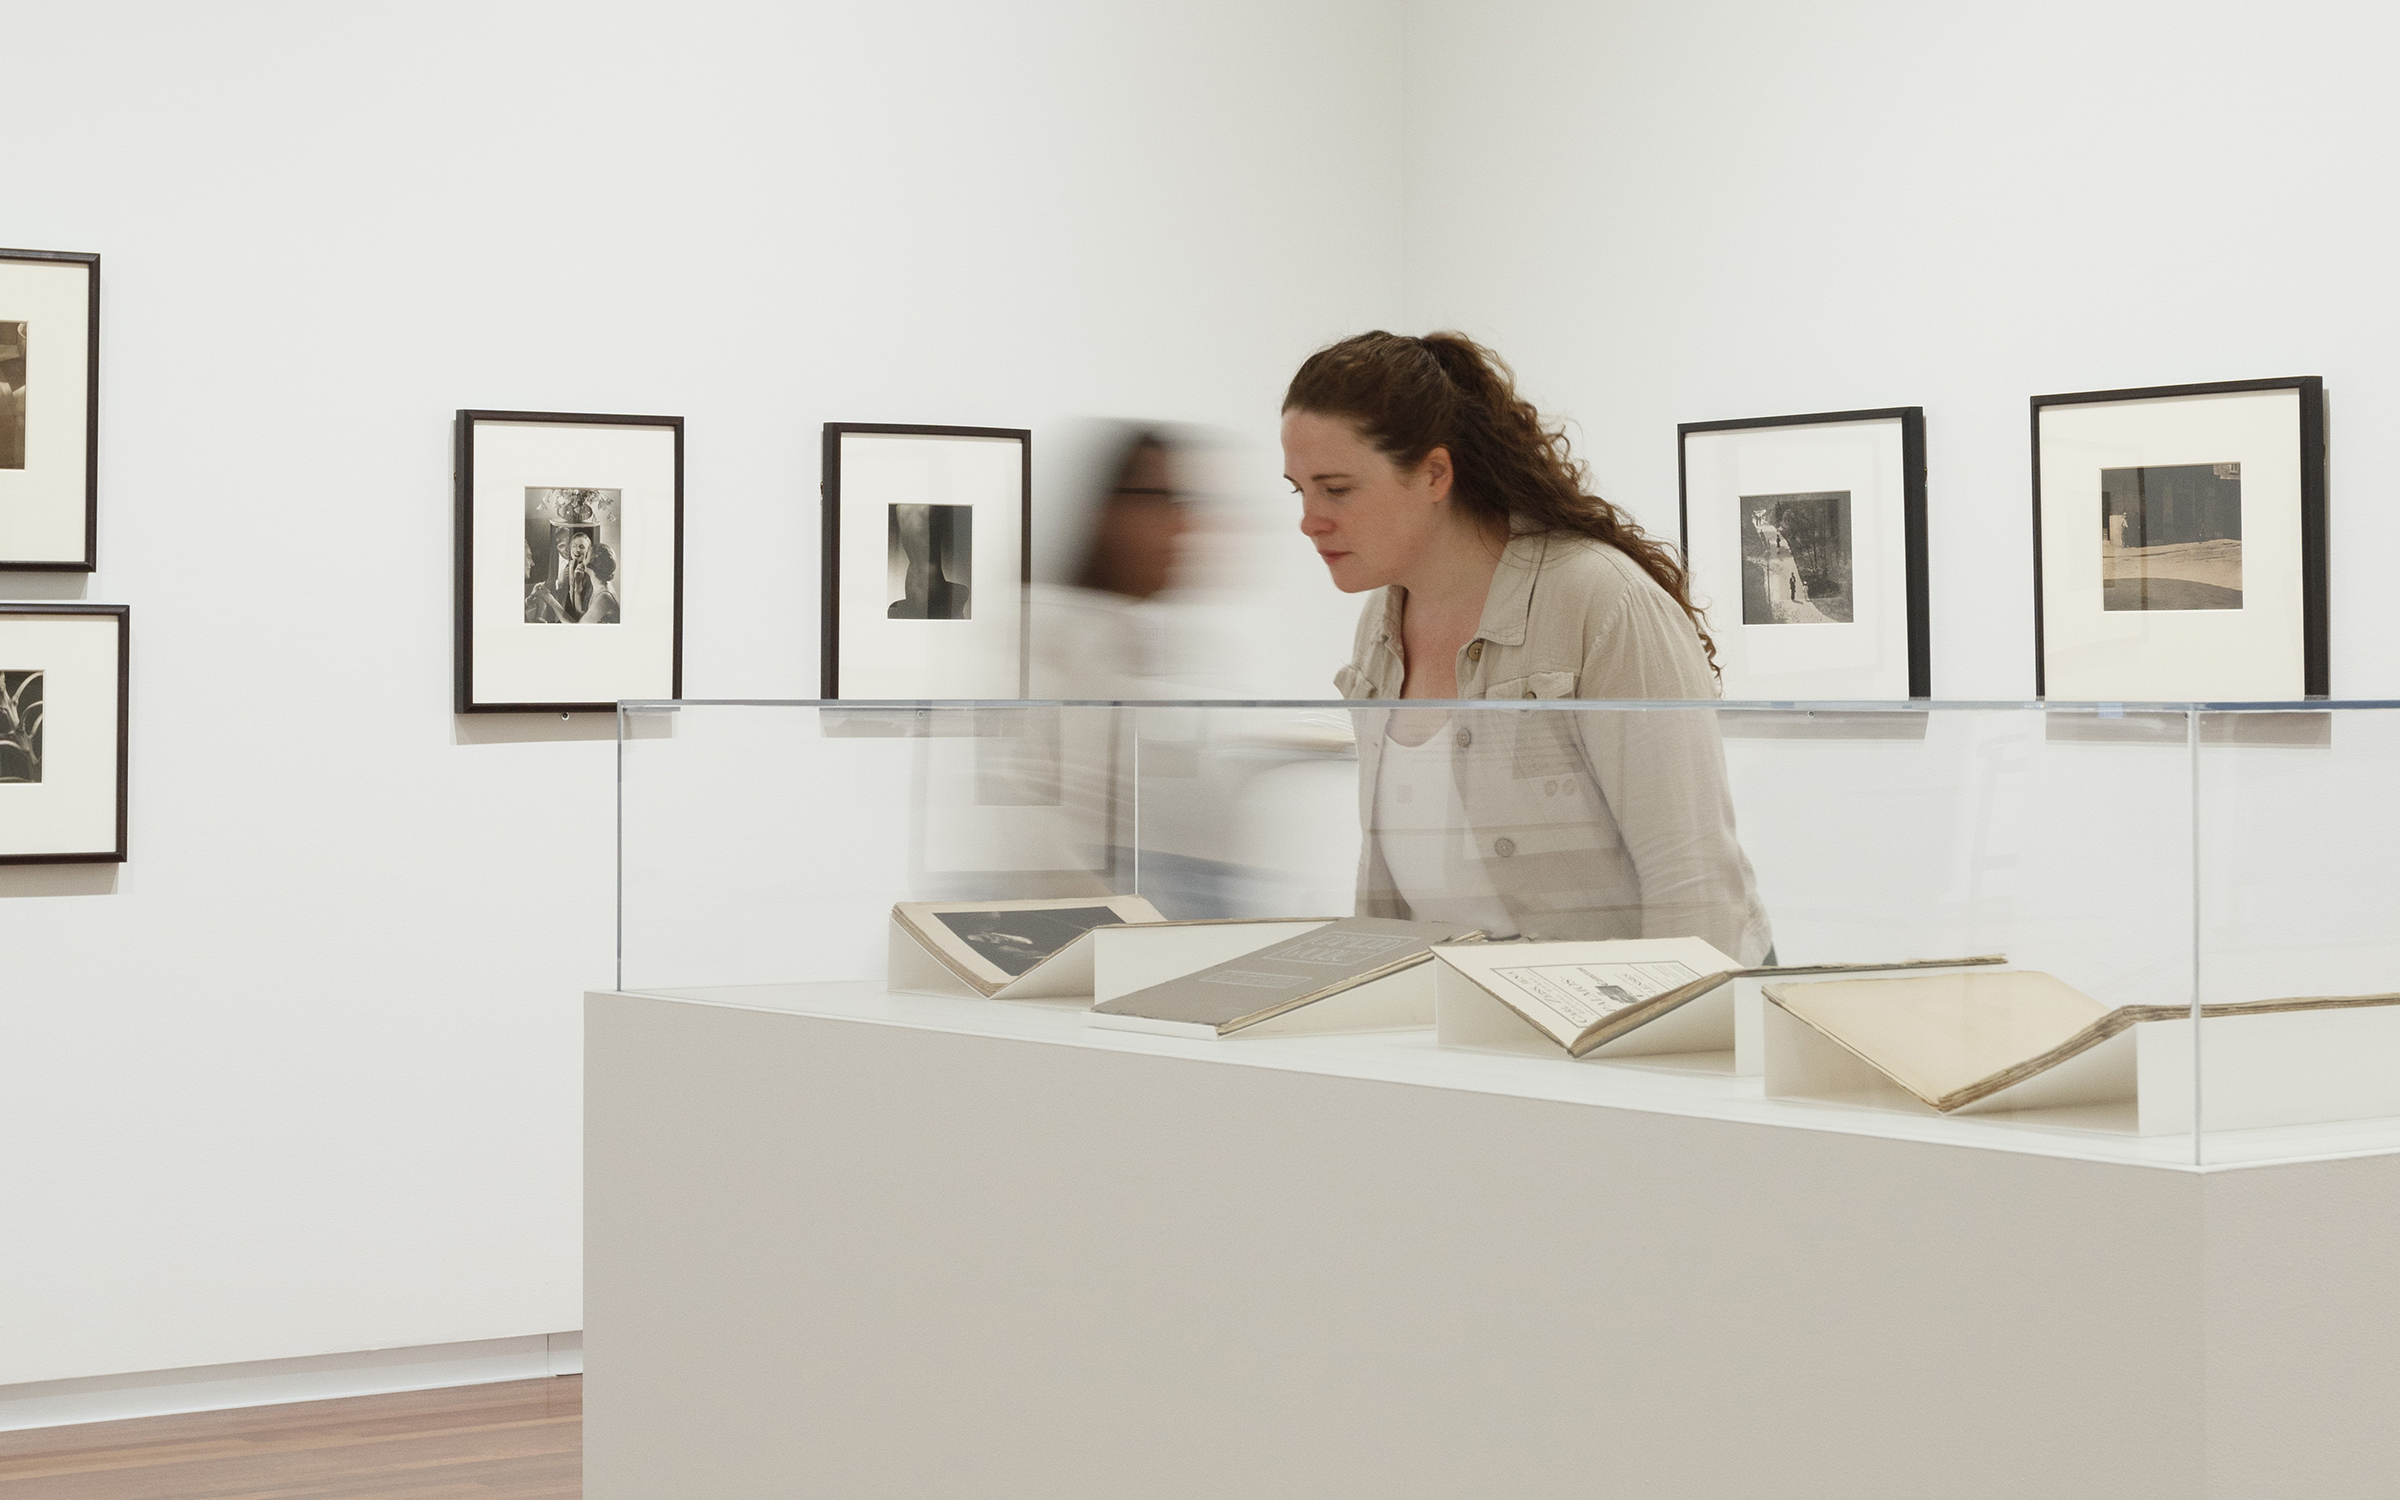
column 1409, row 396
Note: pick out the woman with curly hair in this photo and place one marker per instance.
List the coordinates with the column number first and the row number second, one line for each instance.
column 1427, row 482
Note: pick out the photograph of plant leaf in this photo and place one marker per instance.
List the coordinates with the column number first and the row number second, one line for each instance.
column 20, row 728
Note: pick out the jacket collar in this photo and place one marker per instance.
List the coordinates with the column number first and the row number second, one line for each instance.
column 1509, row 605
column 1506, row 609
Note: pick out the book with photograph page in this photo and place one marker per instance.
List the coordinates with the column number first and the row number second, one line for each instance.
column 1954, row 1039
column 1582, row 994
column 996, row 946
column 1339, row 957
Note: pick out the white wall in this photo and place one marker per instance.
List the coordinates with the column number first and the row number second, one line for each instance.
column 303, row 1077
column 1679, row 212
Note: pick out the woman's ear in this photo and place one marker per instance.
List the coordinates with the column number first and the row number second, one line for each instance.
column 1435, row 473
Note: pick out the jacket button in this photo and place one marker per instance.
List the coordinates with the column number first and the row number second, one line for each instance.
column 1474, row 650
column 1549, row 788
column 1504, row 847
column 1466, row 737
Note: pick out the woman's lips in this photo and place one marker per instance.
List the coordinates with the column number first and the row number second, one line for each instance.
column 1331, row 558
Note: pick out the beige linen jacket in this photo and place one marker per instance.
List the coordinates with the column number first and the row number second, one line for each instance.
column 1599, row 823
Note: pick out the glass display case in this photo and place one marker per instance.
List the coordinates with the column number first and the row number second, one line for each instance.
column 2203, row 886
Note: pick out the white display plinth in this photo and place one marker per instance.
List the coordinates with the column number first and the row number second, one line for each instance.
column 848, row 1243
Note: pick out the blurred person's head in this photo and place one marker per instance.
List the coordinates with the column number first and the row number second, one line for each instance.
column 1138, row 527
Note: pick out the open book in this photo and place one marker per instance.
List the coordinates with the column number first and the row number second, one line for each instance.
column 1582, row 994
column 992, row 946
column 1952, row 1039
column 1314, row 966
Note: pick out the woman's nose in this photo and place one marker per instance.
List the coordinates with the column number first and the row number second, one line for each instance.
column 1313, row 525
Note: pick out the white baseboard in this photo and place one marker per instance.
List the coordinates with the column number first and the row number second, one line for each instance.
column 271, row 1382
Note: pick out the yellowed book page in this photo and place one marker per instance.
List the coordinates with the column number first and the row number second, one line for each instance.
column 1939, row 1034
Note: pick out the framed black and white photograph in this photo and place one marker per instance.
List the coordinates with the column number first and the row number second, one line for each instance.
column 63, row 739
column 569, row 561
column 1805, row 538
column 927, row 545
column 2179, row 543
column 49, row 411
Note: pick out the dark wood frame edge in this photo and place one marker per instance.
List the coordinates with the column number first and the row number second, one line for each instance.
column 1914, row 544
column 462, row 474
column 829, row 506
column 124, row 618
column 90, row 261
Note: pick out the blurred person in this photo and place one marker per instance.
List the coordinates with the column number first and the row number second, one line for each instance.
column 1429, row 484
column 1141, row 795
column 1099, row 633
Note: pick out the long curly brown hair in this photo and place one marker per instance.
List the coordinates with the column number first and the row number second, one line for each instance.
column 1409, row 396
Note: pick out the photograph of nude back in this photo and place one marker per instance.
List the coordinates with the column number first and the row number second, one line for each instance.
column 930, row 559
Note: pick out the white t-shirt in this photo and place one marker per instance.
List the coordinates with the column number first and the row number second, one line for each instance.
column 1421, row 826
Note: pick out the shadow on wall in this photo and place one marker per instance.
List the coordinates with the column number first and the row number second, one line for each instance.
column 44, row 585
column 58, row 880
column 528, row 729
column 521, row 729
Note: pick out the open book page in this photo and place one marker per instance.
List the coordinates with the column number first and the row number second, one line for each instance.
column 1568, row 1000
column 991, row 944
column 1950, row 1039
column 1281, row 976
column 1583, row 993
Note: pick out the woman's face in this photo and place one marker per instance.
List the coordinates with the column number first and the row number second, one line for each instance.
column 1371, row 521
column 579, row 551
column 1140, row 540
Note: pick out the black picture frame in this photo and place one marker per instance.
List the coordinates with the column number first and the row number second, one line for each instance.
column 123, row 615
column 90, row 561
column 829, row 504
column 1912, row 511
column 463, row 525
column 2316, row 656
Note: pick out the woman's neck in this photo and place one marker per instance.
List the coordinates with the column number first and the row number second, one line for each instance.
column 1455, row 575
column 1444, row 602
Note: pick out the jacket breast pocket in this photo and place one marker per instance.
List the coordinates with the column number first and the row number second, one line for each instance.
column 1534, row 685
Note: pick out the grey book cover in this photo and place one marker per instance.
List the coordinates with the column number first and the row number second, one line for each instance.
column 1283, row 976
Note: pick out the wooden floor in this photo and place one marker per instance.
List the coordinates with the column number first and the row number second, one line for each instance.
column 522, row 1440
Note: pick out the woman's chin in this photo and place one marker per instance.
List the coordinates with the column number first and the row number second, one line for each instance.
column 1351, row 578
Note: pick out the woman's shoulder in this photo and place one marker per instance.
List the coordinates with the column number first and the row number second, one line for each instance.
column 1595, row 604
column 1601, row 577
